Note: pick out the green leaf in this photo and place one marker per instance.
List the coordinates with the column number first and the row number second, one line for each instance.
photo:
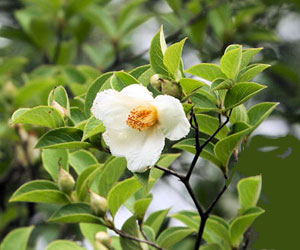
column 62, row 138
column 230, row 62
column 203, row 101
column 138, row 71
column 156, row 53
column 75, row 213
column 76, row 116
column 172, row 235
column 190, row 219
column 225, row 84
column 85, row 181
column 172, row 59
column 59, row 94
column 89, row 230
column 82, row 159
column 249, row 191
column 189, row 85
column 64, row 245
column 94, row 88
column 156, row 219
column 239, row 114
column 140, row 207
column 240, row 93
column 224, row 148
column 53, row 159
column 216, row 232
column 231, row 47
column 110, row 174
column 73, row 75
column 247, row 56
column 212, row 246
column 121, row 193
column 121, row 79
column 40, row 191
column 92, row 127
column 259, row 112
column 128, row 9
column 208, row 125
column 144, row 78
column 206, row 71
column 130, row 227
column 251, row 71
column 207, row 153
column 41, row 115
column 241, row 223
column 101, row 18
column 16, row 239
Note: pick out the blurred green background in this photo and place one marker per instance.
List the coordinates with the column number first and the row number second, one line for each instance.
column 47, row 43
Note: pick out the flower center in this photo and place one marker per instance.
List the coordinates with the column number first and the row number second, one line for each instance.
column 142, row 117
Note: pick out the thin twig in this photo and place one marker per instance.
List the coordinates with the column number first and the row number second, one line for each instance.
column 128, row 236
column 212, row 205
column 170, row 171
column 141, row 229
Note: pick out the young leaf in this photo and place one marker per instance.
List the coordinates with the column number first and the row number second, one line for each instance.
column 62, row 138
column 138, row 71
column 16, row 239
column 225, row 84
column 64, row 245
column 156, row 53
column 172, row 235
column 208, row 125
column 203, row 101
column 230, row 62
column 225, row 147
column 53, row 159
column 110, row 174
column 82, row 159
column 92, row 127
column 76, row 116
column 189, row 85
column 190, row 219
column 239, row 114
column 240, row 224
column 212, row 246
column 141, row 206
column 89, row 230
column 40, row 191
column 249, row 192
column 121, row 79
column 75, row 213
column 247, row 56
column 251, row 71
column 94, row 88
column 207, row 153
column 240, row 93
column 156, row 219
column 130, row 227
column 41, row 115
column 206, row 71
column 120, row 193
column 172, row 59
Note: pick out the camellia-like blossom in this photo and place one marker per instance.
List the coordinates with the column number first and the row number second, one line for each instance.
column 137, row 124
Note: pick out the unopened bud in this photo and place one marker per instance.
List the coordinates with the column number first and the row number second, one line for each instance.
column 156, row 81
column 172, row 89
column 9, row 90
column 59, row 108
column 65, row 181
column 98, row 204
column 102, row 240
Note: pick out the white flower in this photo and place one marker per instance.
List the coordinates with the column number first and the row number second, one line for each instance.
column 137, row 124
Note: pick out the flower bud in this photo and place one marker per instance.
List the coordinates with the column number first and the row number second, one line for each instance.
column 102, row 241
column 60, row 108
column 98, row 204
column 172, row 89
column 65, row 181
column 156, row 81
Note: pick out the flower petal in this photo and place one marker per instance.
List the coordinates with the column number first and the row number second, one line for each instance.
column 171, row 117
column 137, row 91
column 112, row 108
column 141, row 148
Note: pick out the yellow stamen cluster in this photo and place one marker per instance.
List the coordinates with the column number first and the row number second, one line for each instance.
column 142, row 117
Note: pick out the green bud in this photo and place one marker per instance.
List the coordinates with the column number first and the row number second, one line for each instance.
column 102, row 241
column 98, row 204
column 172, row 89
column 156, row 81
column 65, row 181
column 59, row 108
